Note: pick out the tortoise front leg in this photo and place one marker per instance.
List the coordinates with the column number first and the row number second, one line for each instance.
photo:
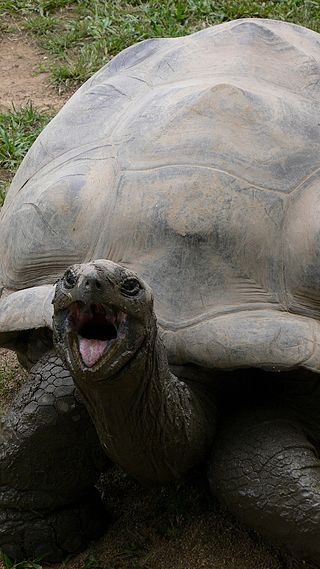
column 267, row 473
column 50, row 459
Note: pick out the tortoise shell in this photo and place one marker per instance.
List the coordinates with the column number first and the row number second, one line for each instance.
column 194, row 162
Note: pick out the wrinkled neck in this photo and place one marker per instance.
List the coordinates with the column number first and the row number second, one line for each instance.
column 147, row 419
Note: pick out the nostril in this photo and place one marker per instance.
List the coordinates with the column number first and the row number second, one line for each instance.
column 92, row 283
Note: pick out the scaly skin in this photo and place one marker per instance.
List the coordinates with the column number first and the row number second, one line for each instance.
column 151, row 423
column 267, row 473
column 50, row 459
column 264, row 465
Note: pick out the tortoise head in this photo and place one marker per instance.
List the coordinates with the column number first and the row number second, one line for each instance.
column 103, row 313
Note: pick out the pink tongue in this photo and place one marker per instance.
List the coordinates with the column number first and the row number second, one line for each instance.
column 91, row 350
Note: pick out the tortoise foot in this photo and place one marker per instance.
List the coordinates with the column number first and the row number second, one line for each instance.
column 51, row 537
column 267, row 473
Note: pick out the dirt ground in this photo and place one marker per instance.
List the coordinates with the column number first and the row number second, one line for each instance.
column 177, row 527
column 20, row 80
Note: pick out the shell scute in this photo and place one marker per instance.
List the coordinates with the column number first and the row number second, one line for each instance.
column 156, row 161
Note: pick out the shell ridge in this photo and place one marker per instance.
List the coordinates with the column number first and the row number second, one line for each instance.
column 306, row 179
column 75, row 153
column 204, row 167
column 265, row 25
column 212, row 315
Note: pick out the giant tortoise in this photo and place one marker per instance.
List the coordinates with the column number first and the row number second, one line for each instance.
column 163, row 234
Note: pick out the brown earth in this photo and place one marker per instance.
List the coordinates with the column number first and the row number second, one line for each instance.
column 20, row 79
column 177, row 527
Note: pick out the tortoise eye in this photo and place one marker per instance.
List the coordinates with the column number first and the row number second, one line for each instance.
column 69, row 279
column 130, row 287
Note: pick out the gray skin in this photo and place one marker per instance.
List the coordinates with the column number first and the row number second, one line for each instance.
column 190, row 164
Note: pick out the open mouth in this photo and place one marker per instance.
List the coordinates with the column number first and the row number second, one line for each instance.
column 97, row 327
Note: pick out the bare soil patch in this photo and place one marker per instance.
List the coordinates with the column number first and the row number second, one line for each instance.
column 20, row 79
column 151, row 529
column 12, row 376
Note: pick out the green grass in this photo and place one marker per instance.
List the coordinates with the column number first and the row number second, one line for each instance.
column 18, row 130
column 3, row 189
column 8, row 564
column 82, row 35
column 89, row 563
column 25, row 7
column 5, row 376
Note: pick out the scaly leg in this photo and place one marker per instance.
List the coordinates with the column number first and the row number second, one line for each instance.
column 267, row 473
column 50, row 459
